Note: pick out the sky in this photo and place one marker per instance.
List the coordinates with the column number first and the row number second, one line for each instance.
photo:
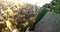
column 38, row 2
